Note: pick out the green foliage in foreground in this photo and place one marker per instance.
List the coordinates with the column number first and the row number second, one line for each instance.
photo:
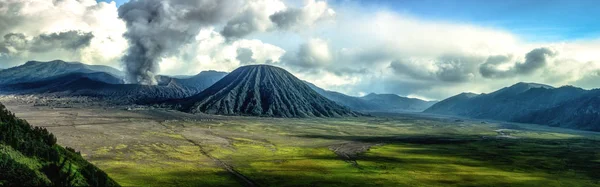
column 29, row 156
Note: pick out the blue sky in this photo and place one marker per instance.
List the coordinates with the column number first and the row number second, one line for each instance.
column 532, row 20
column 119, row 2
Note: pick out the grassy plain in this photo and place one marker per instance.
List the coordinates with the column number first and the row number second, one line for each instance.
column 166, row 148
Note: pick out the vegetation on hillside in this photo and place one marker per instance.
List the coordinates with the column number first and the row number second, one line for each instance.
column 29, row 156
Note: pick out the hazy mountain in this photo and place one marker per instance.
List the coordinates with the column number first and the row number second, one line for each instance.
column 35, row 71
column 375, row 102
column 197, row 82
column 354, row 103
column 526, row 102
column 396, row 103
column 262, row 90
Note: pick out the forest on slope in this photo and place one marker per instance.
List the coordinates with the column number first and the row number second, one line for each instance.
column 29, row 156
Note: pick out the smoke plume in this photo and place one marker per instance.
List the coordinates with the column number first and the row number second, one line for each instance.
column 156, row 28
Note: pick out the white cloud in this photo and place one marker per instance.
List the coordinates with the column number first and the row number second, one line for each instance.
column 343, row 47
column 211, row 51
column 436, row 59
column 36, row 17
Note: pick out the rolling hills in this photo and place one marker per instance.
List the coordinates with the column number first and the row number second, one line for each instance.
column 262, row 90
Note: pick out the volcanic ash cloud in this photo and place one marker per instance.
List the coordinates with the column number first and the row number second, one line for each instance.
column 156, row 28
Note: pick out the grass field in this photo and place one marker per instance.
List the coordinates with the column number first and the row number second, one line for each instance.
column 149, row 148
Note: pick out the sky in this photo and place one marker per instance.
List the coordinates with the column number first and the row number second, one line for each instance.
column 428, row 49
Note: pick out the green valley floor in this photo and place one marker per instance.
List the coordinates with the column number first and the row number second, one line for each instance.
column 154, row 147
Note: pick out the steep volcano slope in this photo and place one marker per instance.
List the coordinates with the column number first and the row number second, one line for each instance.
column 262, row 90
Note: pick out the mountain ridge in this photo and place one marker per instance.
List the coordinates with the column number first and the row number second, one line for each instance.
column 525, row 102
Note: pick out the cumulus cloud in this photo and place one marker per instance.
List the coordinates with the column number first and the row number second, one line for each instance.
column 244, row 55
column 313, row 54
column 303, row 18
column 446, row 68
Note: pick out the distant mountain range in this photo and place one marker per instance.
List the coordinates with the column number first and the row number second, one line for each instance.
column 36, row 71
column 271, row 91
column 262, row 90
column 566, row 106
column 77, row 79
column 375, row 102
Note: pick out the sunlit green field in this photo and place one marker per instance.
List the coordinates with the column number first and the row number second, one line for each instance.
column 402, row 150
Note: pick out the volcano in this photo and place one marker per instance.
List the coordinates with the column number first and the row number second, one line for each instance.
column 262, row 90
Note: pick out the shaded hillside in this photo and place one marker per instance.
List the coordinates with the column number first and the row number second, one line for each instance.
column 375, row 102
column 508, row 103
column 579, row 113
column 36, row 71
column 262, row 90
column 99, row 85
column 566, row 106
column 29, row 156
column 455, row 105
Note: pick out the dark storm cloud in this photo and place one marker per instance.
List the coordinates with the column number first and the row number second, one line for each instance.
column 489, row 68
column 534, row 60
column 411, row 70
column 70, row 40
column 244, row 55
column 156, row 28
column 239, row 27
column 287, row 19
column 17, row 41
column 457, row 68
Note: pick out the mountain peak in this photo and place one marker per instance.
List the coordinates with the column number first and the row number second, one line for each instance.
column 531, row 85
column 263, row 90
column 520, row 87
